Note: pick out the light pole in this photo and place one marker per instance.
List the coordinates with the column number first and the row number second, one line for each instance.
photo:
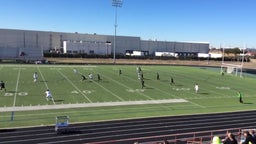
column 116, row 4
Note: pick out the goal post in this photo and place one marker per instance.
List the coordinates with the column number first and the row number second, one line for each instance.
column 231, row 69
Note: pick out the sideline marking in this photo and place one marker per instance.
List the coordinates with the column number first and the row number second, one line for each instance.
column 22, row 93
column 88, row 91
column 55, row 68
column 83, row 105
column 135, row 90
column 19, row 94
column 19, row 68
column 8, row 94
column 181, row 89
column 223, row 88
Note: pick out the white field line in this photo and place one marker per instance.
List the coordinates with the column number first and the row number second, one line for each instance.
column 118, row 97
column 200, row 88
column 83, row 105
column 128, row 87
column 16, row 89
column 164, row 107
column 169, row 93
column 45, row 83
column 148, row 107
column 98, row 110
column 176, row 97
column 84, row 95
column 45, row 65
column 155, row 88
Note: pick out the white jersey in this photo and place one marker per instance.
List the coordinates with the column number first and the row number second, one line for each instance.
column 90, row 76
column 35, row 76
column 48, row 93
column 75, row 71
column 196, row 88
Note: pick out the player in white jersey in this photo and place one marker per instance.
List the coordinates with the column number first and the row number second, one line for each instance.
column 48, row 95
column 35, row 76
column 90, row 76
column 75, row 71
column 196, row 88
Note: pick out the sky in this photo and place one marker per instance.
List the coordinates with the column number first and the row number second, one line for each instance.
column 229, row 23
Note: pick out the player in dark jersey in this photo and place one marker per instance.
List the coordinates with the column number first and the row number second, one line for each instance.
column 2, row 86
column 83, row 78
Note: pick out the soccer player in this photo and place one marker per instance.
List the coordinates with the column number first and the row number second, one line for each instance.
column 139, row 69
column 139, row 76
column 240, row 97
column 171, row 81
column 157, row 76
column 83, row 78
column 90, row 76
column 222, row 73
column 2, row 86
column 142, row 83
column 98, row 75
column 35, row 76
column 120, row 72
column 75, row 71
column 196, row 88
column 48, row 95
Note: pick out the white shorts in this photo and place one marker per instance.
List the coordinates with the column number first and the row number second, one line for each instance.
column 49, row 96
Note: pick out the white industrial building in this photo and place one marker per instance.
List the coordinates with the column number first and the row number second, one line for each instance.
column 27, row 44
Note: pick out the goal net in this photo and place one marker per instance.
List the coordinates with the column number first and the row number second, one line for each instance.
column 231, row 69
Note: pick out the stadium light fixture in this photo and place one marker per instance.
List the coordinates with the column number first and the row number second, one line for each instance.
column 116, row 4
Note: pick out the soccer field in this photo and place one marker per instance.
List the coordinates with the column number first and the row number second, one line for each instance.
column 117, row 96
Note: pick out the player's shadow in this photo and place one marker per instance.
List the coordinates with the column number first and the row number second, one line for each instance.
column 149, row 88
column 146, row 79
column 247, row 103
column 43, row 81
column 59, row 100
column 178, row 85
column 204, row 93
column 11, row 91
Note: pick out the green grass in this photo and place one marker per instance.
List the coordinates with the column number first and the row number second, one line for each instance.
column 217, row 93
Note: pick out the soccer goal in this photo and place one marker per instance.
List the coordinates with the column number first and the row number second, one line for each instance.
column 232, row 69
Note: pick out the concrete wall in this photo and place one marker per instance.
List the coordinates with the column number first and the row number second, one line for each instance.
column 177, row 47
column 12, row 42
